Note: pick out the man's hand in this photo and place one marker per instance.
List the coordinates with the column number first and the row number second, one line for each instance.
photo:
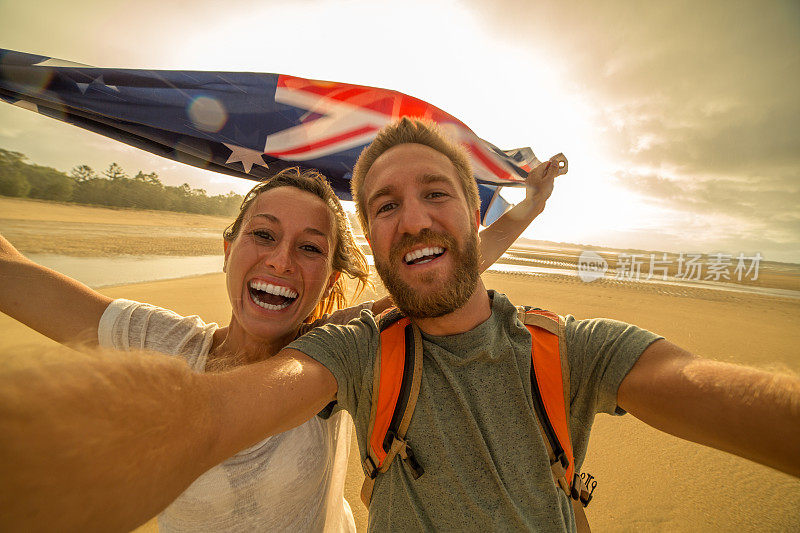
column 539, row 183
column 495, row 239
column 740, row 410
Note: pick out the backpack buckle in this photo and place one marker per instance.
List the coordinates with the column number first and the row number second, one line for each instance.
column 411, row 462
column 406, row 454
column 580, row 491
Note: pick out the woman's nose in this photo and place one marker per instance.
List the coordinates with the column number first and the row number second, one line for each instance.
column 280, row 258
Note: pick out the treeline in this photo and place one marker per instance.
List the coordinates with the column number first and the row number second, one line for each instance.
column 112, row 187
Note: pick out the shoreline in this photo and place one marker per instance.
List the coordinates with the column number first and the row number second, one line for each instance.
column 120, row 269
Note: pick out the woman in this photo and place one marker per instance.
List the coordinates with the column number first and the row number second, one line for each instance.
column 284, row 256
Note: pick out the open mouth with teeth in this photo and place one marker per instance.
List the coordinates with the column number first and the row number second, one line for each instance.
column 269, row 296
column 423, row 255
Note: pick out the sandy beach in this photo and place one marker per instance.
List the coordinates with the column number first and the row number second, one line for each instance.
column 37, row 226
column 647, row 480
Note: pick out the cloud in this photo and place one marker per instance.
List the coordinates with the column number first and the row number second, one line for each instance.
column 697, row 102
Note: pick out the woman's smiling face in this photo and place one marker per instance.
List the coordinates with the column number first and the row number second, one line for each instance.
column 279, row 265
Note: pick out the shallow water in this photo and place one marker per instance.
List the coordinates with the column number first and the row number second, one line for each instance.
column 103, row 271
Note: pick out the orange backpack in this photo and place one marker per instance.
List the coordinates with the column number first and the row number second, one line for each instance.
column 397, row 375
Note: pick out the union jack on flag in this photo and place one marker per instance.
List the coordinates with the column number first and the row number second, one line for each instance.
column 243, row 124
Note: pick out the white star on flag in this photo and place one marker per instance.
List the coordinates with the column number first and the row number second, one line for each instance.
column 245, row 156
column 99, row 79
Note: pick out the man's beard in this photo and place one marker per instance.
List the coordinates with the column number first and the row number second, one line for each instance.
column 440, row 299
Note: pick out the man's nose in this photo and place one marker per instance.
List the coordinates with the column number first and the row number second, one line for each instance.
column 414, row 217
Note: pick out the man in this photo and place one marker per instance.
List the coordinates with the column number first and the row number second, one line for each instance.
column 473, row 429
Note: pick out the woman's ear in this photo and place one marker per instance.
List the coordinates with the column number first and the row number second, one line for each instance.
column 226, row 246
column 334, row 277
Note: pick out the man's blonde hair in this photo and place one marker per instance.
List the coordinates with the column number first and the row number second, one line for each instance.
column 417, row 131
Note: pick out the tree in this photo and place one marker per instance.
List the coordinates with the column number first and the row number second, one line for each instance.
column 82, row 173
column 152, row 177
column 12, row 180
column 13, row 183
column 149, row 177
column 115, row 172
column 48, row 183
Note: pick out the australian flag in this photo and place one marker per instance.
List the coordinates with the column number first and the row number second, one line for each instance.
column 243, row 124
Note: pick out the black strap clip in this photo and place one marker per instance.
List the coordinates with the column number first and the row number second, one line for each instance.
column 580, row 490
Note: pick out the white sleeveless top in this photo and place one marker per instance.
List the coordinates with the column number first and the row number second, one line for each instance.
column 292, row 481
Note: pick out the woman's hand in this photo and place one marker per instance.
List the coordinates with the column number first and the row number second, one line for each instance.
column 53, row 304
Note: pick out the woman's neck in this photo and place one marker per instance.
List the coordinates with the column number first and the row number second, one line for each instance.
column 233, row 346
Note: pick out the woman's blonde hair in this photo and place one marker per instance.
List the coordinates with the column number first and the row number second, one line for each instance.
column 347, row 256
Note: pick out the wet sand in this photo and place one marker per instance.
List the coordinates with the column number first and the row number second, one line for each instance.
column 36, row 227
column 647, row 480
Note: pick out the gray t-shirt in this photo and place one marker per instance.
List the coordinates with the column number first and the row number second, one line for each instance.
column 474, row 429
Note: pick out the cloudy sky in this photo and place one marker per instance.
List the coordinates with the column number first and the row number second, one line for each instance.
column 681, row 120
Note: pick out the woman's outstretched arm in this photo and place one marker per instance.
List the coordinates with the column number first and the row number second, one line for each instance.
column 53, row 304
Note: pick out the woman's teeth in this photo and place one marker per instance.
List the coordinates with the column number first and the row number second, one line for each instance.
column 271, row 297
column 423, row 255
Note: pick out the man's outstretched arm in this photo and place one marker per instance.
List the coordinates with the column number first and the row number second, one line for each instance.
column 747, row 412
column 106, row 441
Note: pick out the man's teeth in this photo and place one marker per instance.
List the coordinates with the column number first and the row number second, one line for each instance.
column 423, row 252
column 273, row 289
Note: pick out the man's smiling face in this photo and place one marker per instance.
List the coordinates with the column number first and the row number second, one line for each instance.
column 422, row 234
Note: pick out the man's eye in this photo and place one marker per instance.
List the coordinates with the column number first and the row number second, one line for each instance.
column 385, row 207
column 437, row 194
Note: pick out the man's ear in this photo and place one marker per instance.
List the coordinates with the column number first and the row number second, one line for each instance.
column 226, row 246
column 477, row 219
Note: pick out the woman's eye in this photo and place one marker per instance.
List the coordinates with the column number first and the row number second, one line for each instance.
column 311, row 248
column 261, row 234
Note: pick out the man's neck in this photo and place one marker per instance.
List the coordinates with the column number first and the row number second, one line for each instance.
column 477, row 310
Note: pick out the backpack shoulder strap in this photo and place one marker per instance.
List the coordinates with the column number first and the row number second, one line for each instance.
column 551, row 394
column 397, row 376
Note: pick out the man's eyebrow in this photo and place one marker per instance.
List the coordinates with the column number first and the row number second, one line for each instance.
column 308, row 229
column 425, row 179
column 383, row 191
